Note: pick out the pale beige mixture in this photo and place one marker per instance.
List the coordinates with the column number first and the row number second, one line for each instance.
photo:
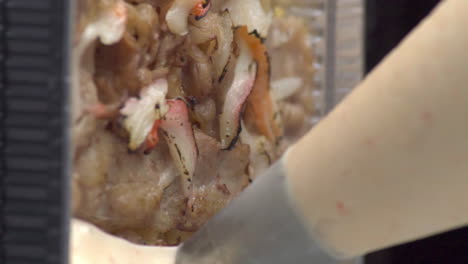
column 178, row 105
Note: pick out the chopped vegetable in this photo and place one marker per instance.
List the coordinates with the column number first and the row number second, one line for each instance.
column 153, row 137
column 261, row 151
column 178, row 13
column 141, row 114
column 216, row 31
column 109, row 28
column 250, row 13
column 244, row 78
column 260, row 108
column 201, row 8
column 224, row 38
column 204, row 30
column 197, row 79
column 176, row 17
column 178, row 133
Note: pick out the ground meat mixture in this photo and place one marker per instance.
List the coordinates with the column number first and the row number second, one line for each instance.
column 178, row 105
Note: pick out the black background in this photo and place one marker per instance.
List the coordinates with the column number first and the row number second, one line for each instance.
column 387, row 22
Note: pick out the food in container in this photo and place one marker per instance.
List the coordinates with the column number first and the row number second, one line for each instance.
column 179, row 104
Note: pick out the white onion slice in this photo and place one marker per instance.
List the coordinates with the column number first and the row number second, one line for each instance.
column 244, row 78
column 142, row 113
column 250, row 13
column 225, row 38
column 178, row 133
column 109, row 28
column 177, row 16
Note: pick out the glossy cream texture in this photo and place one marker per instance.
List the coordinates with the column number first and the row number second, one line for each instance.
column 389, row 164
column 89, row 245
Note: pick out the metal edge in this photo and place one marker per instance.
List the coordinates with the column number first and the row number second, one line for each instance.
column 348, row 48
column 2, row 118
column 330, row 44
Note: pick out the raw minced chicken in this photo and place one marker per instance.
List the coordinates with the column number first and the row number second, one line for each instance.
column 178, row 105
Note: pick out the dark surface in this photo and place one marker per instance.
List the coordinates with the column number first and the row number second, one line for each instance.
column 33, row 155
column 388, row 21
column 447, row 248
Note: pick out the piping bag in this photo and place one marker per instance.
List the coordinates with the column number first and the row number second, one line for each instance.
column 386, row 166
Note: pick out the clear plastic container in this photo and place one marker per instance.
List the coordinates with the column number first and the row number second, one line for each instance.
column 34, row 107
column 334, row 37
column 336, row 34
